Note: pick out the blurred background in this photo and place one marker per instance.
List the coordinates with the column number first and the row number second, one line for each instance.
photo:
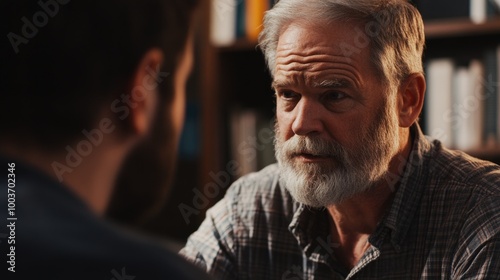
column 230, row 107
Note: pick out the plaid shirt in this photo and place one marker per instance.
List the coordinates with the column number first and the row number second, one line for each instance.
column 444, row 223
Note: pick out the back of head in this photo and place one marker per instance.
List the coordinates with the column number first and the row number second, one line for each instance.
column 64, row 62
column 394, row 28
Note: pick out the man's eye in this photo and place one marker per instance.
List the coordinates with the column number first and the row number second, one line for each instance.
column 337, row 101
column 334, row 96
column 288, row 95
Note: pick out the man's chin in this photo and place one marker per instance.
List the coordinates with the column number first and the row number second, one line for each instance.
column 320, row 190
column 322, row 167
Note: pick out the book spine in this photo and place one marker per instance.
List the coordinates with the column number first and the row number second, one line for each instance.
column 468, row 106
column 439, row 91
column 474, row 105
column 491, row 97
column 223, row 22
column 478, row 11
column 240, row 19
column 461, row 90
column 254, row 17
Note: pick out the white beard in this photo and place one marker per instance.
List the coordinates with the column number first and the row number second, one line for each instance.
column 348, row 172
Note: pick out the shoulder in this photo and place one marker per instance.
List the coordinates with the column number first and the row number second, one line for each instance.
column 254, row 201
column 152, row 260
column 261, row 180
column 468, row 190
column 73, row 243
column 101, row 251
column 467, row 173
column 260, row 191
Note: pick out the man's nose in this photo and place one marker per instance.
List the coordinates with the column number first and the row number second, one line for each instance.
column 307, row 119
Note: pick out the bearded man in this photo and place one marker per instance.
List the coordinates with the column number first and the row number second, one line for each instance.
column 358, row 191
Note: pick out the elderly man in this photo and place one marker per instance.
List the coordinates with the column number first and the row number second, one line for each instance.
column 358, row 191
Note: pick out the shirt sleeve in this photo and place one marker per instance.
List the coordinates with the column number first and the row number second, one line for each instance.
column 484, row 263
column 211, row 247
column 478, row 254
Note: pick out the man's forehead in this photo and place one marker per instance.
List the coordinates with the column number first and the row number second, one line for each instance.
column 308, row 34
column 313, row 43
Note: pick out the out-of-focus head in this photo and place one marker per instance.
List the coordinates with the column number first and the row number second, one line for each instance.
column 66, row 65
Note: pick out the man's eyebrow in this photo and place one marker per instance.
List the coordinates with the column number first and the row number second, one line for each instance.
column 332, row 83
column 280, row 84
column 327, row 83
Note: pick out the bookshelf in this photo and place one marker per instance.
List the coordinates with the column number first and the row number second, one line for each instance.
column 463, row 41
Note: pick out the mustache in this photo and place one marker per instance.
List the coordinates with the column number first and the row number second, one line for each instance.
column 312, row 145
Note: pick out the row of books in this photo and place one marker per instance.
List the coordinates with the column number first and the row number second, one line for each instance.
column 462, row 101
column 478, row 11
column 235, row 19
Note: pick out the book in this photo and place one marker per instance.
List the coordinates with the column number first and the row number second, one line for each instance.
column 438, row 100
column 241, row 19
column 468, row 109
column 255, row 10
column 189, row 145
column 478, row 11
column 223, row 22
column 491, row 97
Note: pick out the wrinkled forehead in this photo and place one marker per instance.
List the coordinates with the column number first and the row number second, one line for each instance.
column 317, row 48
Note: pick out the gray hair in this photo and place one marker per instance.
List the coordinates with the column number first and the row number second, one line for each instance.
column 394, row 28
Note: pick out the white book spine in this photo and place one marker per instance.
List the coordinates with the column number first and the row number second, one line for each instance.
column 439, row 90
column 478, row 11
column 461, row 113
column 223, row 22
column 475, row 104
column 468, row 109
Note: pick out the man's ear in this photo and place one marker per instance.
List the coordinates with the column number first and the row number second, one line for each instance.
column 411, row 99
column 143, row 94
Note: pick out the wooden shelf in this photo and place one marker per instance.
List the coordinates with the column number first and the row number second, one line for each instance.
column 460, row 28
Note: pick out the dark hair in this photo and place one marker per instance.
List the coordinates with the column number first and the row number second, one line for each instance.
column 65, row 61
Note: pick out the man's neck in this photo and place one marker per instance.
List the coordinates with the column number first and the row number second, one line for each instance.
column 361, row 214
column 354, row 220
